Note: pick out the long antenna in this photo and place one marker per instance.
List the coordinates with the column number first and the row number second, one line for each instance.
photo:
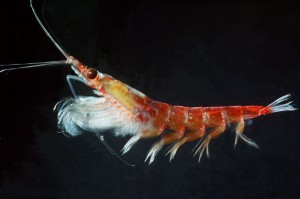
column 49, row 28
column 47, row 33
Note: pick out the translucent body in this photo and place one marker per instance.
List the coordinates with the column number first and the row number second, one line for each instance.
column 129, row 112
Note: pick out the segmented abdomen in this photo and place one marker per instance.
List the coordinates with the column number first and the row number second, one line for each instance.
column 193, row 118
column 191, row 123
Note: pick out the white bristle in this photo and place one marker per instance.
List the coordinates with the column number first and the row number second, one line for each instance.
column 95, row 114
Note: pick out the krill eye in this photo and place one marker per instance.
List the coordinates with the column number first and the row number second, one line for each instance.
column 92, row 73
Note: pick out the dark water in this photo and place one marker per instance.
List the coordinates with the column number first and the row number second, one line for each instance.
column 193, row 53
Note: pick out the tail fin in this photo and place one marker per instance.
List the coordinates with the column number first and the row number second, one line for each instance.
column 279, row 105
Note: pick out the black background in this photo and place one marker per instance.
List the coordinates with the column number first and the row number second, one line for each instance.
column 192, row 53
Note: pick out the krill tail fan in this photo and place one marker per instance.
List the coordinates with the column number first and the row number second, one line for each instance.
column 279, row 105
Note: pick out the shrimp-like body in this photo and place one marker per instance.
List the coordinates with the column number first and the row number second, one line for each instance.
column 126, row 111
column 129, row 112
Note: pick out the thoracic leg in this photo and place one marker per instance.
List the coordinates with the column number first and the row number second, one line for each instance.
column 130, row 143
column 73, row 78
column 191, row 136
column 211, row 135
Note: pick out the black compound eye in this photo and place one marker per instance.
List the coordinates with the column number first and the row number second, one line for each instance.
column 92, row 73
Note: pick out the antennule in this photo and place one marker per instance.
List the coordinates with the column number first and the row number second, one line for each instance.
column 47, row 33
column 32, row 65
